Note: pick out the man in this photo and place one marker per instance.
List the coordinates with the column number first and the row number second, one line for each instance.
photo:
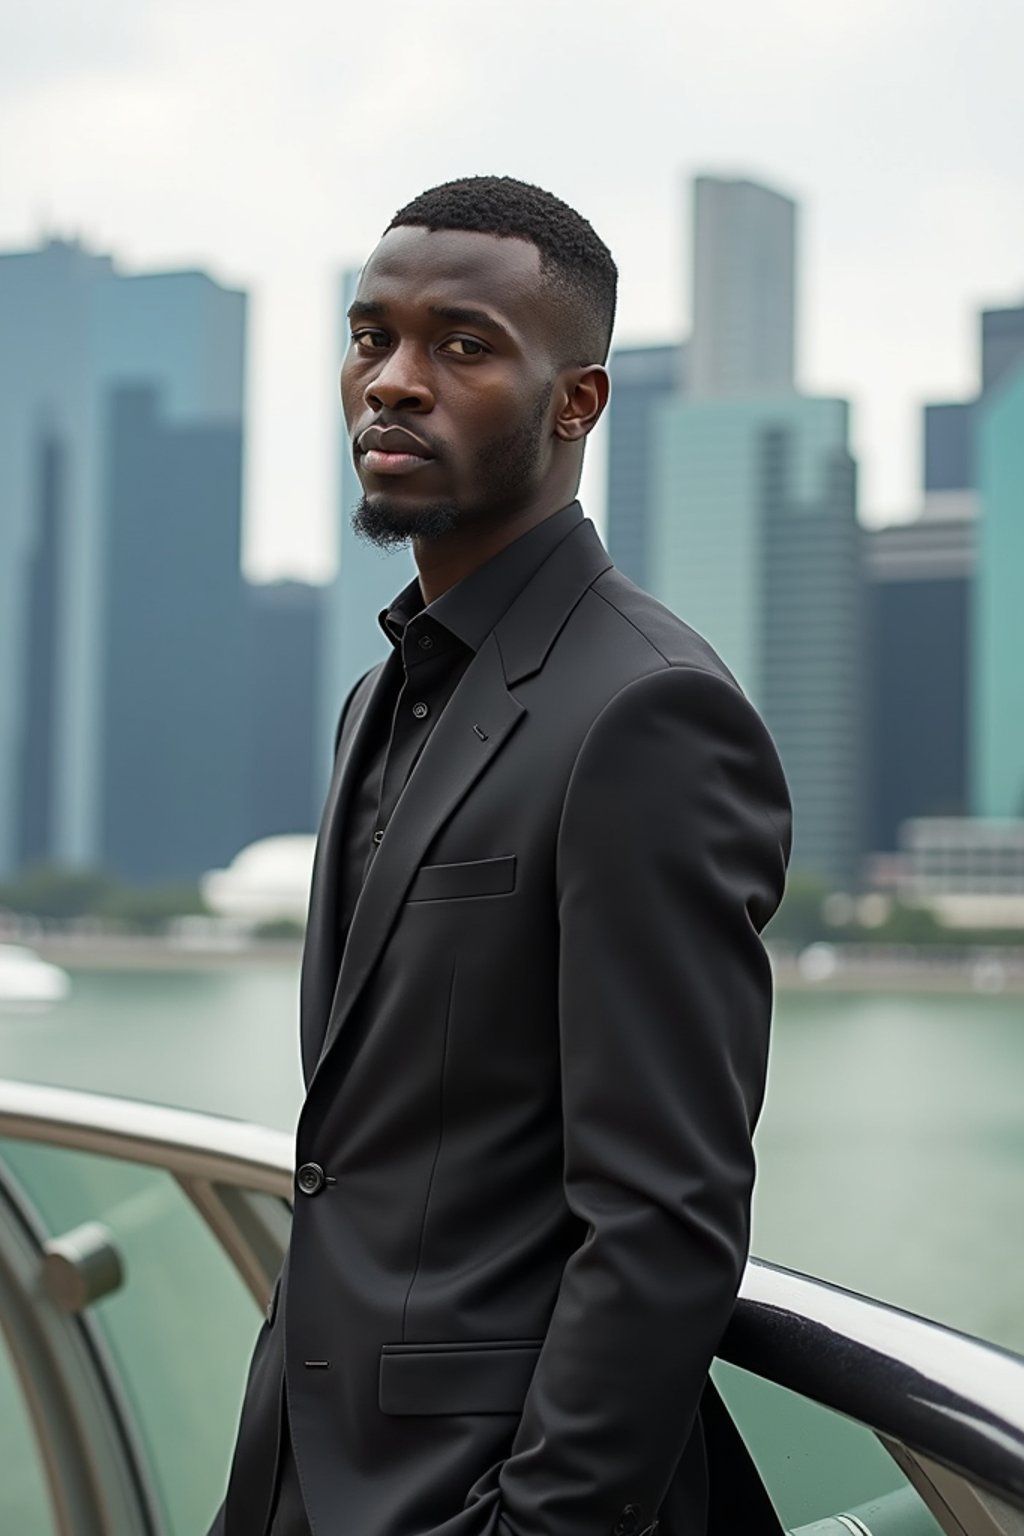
column 535, row 1003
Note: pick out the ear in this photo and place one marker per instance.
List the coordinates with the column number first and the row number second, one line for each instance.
column 584, row 396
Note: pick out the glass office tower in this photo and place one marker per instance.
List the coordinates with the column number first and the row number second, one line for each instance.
column 756, row 544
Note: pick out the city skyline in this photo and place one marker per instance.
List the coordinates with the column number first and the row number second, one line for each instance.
column 892, row 125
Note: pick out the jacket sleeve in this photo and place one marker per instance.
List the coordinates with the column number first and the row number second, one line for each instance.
column 671, row 858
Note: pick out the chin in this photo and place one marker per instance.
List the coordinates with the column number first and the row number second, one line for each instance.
column 389, row 521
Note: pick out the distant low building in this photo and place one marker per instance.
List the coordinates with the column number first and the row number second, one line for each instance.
column 968, row 870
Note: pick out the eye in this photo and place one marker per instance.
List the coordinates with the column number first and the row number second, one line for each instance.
column 369, row 340
column 465, row 346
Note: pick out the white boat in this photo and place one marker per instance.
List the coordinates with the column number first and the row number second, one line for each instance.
column 27, row 981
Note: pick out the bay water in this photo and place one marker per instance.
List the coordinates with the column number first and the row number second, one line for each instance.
column 890, row 1149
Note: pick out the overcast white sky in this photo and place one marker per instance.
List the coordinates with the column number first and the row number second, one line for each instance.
column 271, row 143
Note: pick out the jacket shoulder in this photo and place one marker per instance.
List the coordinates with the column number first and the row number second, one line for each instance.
column 650, row 629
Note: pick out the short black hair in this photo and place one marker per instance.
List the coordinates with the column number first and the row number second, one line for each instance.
column 573, row 256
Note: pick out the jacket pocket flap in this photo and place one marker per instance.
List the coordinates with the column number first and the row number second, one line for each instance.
column 480, row 877
column 456, row 1378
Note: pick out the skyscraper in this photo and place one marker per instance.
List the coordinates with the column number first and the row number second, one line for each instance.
column 1002, row 345
column 744, row 290
column 283, row 630
column 171, row 728
column 756, row 543
column 120, row 478
column 950, row 455
column 48, row 471
column 366, row 581
column 997, row 738
column 641, row 377
column 920, row 578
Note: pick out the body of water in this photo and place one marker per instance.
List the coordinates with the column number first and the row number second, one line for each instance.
column 891, row 1148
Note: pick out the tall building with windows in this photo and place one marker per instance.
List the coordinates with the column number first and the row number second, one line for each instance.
column 949, row 428
column 48, row 470
column 997, row 738
column 120, row 478
column 743, row 290
column 756, row 544
column 920, row 579
column 171, row 727
column 1002, row 345
column 282, row 648
column 641, row 378
column 367, row 579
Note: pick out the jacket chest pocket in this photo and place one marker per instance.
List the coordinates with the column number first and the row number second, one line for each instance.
column 456, row 1378
column 457, row 882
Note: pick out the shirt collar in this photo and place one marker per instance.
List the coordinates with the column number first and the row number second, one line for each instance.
column 472, row 608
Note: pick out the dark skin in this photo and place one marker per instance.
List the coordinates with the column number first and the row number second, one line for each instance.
column 457, row 361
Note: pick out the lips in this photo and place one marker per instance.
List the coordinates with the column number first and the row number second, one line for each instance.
column 394, row 440
column 392, row 451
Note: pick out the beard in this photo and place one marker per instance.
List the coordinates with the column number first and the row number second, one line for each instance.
column 507, row 469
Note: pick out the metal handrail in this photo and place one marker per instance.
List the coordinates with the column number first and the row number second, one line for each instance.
column 954, row 1398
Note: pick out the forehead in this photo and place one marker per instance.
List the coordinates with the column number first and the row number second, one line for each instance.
column 417, row 266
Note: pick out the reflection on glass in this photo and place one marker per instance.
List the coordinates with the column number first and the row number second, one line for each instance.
column 180, row 1329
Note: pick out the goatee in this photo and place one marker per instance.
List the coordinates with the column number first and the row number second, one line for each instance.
column 388, row 524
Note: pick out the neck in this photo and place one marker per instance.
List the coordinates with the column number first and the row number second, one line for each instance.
column 443, row 562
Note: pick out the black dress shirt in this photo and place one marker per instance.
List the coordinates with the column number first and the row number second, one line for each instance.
column 431, row 647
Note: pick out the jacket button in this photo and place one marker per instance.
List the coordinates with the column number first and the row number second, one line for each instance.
column 311, row 1178
column 628, row 1522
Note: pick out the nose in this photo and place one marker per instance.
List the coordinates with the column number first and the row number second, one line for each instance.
column 400, row 383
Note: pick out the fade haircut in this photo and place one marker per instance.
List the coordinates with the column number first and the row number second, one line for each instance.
column 575, row 261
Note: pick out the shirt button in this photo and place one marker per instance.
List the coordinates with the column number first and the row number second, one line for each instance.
column 378, row 836
column 425, row 643
column 421, row 711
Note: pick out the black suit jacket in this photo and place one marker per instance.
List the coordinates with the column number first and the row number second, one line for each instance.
column 532, row 1083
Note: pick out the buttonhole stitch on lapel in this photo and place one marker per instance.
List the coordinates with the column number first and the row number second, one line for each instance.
column 480, row 733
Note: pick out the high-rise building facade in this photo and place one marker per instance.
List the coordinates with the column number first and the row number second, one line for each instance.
column 283, row 627
column 949, row 428
column 997, row 738
column 756, row 544
column 1002, row 345
column 120, row 485
column 171, row 728
column 743, row 290
column 641, row 378
column 367, row 579
column 920, row 578
column 948, row 457
column 48, row 509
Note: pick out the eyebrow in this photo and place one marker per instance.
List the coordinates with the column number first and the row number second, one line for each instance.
column 368, row 309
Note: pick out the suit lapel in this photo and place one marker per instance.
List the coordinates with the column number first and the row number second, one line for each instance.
column 473, row 728
column 324, row 939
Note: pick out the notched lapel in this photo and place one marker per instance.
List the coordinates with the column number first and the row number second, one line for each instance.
column 322, row 949
column 473, row 727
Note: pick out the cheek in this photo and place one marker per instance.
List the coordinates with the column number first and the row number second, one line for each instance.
column 350, row 387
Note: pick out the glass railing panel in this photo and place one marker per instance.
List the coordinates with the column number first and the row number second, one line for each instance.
column 24, row 1501
column 817, row 1464
column 181, row 1327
